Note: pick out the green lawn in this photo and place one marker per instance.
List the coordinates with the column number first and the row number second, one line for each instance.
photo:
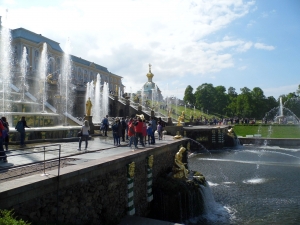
column 273, row 131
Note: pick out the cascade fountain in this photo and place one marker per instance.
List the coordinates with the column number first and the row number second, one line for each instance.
column 99, row 99
column 17, row 101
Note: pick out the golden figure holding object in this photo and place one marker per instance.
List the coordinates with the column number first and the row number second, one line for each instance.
column 180, row 171
column 88, row 106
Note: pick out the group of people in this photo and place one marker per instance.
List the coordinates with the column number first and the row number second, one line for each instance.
column 136, row 130
column 4, row 135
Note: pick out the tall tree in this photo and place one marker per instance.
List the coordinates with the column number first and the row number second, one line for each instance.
column 220, row 100
column 258, row 99
column 189, row 97
column 204, row 95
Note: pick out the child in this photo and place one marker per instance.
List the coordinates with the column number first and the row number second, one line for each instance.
column 149, row 133
column 159, row 130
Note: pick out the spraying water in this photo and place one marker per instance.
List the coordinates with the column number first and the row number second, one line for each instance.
column 43, row 67
column 24, row 66
column 97, row 105
column 66, row 88
column 5, row 66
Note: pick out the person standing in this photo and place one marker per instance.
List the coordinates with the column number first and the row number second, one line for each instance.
column 127, row 124
column 105, row 123
column 84, row 135
column 154, row 127
column 5, row 134
column 124, row 128
column 2, row 152
column 139, row 131
column 21, row 129
column 117, row 132
column 149, row 133
column 131, row 133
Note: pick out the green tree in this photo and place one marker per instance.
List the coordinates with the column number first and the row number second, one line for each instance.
column 244, row 103
column 231, row 108
column 258, row 100
column 220, row 99
column 204, row 95
column 189, row 97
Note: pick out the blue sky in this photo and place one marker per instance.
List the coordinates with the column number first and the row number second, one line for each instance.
column 233, row 43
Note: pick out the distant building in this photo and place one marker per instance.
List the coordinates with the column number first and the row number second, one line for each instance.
column 83, row 71
column 150, row 89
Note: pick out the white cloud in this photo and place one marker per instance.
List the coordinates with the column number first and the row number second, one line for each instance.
column 125, row 36
column 264, row 47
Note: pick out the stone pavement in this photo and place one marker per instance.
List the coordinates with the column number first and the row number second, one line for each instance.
column 98, row 147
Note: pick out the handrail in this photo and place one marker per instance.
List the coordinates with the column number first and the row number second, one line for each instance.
column 44, row 151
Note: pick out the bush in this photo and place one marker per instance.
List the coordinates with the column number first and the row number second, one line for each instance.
column 7, row 218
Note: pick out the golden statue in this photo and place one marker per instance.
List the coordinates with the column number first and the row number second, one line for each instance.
column 180, row 119
column 131, row 168
column 88, row 107
column 50, row 79
column 180, row 171
column 141, row 116
column 150, row 161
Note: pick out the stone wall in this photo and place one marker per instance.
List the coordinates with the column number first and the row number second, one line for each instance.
column 93, row 192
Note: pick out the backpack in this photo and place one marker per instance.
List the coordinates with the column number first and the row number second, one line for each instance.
column 19, row 127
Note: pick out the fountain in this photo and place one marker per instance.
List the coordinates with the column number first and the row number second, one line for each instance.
column 43, row 67
column 281, row 115
column 18, row 80
column 99, row 99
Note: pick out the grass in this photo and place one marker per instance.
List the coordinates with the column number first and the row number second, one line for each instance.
column 268, row 131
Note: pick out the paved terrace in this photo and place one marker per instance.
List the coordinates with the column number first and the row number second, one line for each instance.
column 98, row 148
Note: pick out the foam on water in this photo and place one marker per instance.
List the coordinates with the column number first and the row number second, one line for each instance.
column 255, row 181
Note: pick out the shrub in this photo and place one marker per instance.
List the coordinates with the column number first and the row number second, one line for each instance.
column 7, row 218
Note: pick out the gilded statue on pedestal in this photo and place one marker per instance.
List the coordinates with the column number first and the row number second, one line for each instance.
column 88, row 107
column 131, row 168
column 180, row 119
column 179, row 170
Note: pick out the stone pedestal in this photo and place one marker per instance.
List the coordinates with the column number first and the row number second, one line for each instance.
column 152, row 114
column 92, row 128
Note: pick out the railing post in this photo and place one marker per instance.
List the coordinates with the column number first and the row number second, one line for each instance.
column 44, row 174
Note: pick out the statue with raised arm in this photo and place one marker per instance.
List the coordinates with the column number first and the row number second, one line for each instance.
column 88, row 107
column 179, row 170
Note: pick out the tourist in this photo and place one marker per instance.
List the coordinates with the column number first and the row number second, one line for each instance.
column 124, row 128
column 139, row 131
column 154, row 128
column 105, row 123
column 85, row 129
column 149, row 133
column 131, row 133
column 21, row 129
column 2, row 153
column 159, row 130
column 119, row 131
column 114, row 128
column 5, row 134
column 127, row 122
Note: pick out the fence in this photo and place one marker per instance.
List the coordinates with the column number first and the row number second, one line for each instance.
column 37, row 163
